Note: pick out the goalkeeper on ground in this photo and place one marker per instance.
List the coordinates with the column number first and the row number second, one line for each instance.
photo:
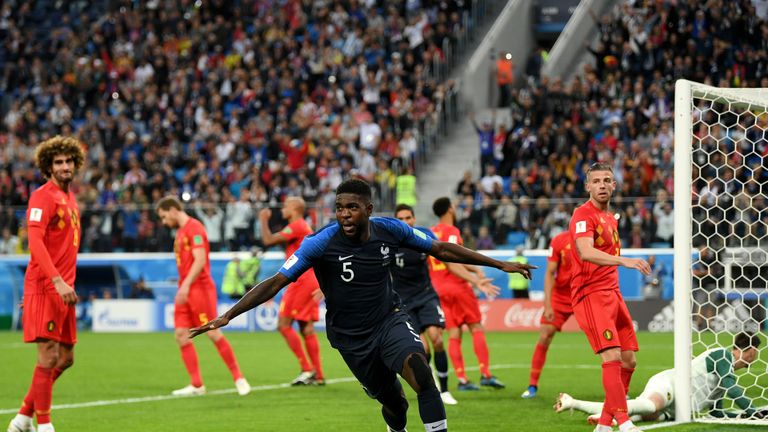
column 713, row 379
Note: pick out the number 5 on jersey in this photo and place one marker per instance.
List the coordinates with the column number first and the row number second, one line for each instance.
column 346, row 271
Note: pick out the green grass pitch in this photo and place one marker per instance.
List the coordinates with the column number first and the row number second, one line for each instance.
column 111, row 369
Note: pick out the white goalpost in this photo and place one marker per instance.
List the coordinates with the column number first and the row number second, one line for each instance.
column 721, row 237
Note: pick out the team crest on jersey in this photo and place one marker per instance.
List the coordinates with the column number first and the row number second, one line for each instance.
column 607, row 334
column 51, row 326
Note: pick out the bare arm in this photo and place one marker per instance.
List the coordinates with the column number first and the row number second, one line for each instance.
column 587, row 252
column 549, row 284
column 465, row 272
column 259, row 294
column 267, row 237
column 451, row 252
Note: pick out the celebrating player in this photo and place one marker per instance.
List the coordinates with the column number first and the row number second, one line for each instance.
column 452, row 283
column 597, row 302
column 53, row 221
column 300, row 302
column 366, row 323
column 713, row 379
column 557, row 304
column 195, row 300
column 415, row 289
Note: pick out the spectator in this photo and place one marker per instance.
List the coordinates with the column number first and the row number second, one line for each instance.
column 8, row 242
column 484, row 239
column 518, row 286
column 406, row 188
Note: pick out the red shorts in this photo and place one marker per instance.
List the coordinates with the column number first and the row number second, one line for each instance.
column 298, row 302
column 563, row 311
column 45, row 316
column 460, row 307
column 605, row 319
column 198, row 310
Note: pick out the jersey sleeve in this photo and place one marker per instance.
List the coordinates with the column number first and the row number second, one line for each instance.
column 720, row 363
column 311, row 250
column 39, row 213
column 410, row 237
column 196, row 236
column 582, row 225
column 292, row 232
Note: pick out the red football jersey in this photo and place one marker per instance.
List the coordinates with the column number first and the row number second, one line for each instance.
column 560, row 253
column 53, row 220
column 586, row 277
column 295, row 233
column 442, row 278
column 192, row 236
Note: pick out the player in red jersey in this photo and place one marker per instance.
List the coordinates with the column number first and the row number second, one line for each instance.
column 452, row 283
column 53, row 220
column 196, row 296
column 597, row 302
column 301, row 300
column 557, row 304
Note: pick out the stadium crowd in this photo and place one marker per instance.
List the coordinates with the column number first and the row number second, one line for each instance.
column 620, row 110
column 231, row 105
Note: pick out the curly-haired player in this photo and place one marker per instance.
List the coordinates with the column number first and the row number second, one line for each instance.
column 53, row 220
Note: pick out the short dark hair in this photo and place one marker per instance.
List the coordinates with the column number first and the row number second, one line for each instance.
column 744, row 340
column 168, row 202
column 401, row 207
column 355, row 186
column 599, row 166
column 441, row 206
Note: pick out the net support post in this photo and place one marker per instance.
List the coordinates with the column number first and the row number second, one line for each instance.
column 683, row 249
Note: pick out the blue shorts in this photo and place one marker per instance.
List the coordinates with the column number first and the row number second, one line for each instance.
column 376, row 364
column 427, row 313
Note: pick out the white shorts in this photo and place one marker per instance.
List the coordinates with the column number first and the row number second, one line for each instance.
column 662, row 383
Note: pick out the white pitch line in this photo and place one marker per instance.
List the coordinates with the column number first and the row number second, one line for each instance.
column 662, row 425
column 126, row 401
column 167, row 397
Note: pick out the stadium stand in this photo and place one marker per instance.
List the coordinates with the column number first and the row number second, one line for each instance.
column 619, row 109
column 230, row 105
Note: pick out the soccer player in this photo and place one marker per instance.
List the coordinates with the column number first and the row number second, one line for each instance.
column 415, row 289
column 195, row 302
column 452, row 283
column 53, row 221
column 713, row 379
column 365, row 321
column 300, row 302
column 557, row 304
column 597, row 302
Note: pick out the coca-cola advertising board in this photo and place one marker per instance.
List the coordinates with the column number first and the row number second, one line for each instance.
column 516, row 315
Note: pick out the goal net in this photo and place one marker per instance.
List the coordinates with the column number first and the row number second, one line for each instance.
column 721, row 268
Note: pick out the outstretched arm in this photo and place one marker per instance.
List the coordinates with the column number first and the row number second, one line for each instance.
column 259, row 294
column 451, row 252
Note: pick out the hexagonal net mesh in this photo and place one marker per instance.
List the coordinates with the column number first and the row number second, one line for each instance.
column 729, row 222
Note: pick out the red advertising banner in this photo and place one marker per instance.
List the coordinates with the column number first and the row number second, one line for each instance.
column 516, row 315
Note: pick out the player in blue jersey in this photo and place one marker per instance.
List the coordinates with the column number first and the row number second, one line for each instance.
column 364, row 321
column 412, row 284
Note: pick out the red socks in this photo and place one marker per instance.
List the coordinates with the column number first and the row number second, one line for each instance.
column 454, row 352
column 189, row 356
column 294, row 343
column 313, row 348
column 226, row 353
column 481, row 351
column 28, row 405
column 42, row 388
column 615, row 405
column 537, row 363
column 626, row 377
